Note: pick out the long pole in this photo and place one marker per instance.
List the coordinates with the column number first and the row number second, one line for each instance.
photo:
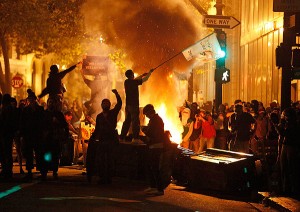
column 288, row 38
column 220, row 63
column 167, row 60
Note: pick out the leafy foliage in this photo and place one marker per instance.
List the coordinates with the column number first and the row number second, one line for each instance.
column 42, row 27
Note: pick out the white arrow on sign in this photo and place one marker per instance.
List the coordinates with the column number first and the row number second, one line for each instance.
column 220, row 21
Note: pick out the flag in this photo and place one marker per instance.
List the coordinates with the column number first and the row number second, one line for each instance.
column 207, row 46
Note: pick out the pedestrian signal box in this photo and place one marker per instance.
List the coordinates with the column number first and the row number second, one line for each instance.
column 222, row 75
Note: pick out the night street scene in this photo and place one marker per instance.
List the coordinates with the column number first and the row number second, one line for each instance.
column 136, row 105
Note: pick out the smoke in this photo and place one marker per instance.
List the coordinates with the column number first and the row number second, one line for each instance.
column 149, row 32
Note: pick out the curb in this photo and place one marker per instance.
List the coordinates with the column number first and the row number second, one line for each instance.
column 280, row 203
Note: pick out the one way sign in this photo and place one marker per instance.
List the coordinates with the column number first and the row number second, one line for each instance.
column 220, row 21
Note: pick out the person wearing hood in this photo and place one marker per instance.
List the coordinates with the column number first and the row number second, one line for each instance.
column 55, row 88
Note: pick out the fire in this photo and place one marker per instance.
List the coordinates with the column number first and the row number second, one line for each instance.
column 172, row 123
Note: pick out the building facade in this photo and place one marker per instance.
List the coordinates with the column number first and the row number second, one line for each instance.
column 250, row 55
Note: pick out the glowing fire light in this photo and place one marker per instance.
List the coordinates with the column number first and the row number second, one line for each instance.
column 101, row 39
column 172, row 123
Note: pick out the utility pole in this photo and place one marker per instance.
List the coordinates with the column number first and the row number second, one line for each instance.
column 220, row 63
column 288, row 41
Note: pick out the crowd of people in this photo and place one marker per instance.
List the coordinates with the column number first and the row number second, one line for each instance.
column 53, row 134
column 249, row 127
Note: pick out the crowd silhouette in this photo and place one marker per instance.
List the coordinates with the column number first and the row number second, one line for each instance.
column 53, row 135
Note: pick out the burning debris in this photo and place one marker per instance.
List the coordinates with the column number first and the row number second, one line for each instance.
column 150, row 32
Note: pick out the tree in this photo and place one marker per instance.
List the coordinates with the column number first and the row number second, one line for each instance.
column 40, row 27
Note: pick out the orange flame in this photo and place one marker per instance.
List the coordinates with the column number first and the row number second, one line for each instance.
column 172, row 123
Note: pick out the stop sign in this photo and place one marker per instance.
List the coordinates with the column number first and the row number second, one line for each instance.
column 17, row 82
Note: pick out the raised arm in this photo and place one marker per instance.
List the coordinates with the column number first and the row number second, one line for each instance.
column 144, row 77
column 119, row 100
column 62, row 74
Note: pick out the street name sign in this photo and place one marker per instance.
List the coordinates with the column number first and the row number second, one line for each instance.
column 220, row 21
column 286, row 6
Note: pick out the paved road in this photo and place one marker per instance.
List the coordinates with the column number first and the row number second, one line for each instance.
column 71, row 192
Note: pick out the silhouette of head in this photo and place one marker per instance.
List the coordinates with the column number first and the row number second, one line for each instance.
column 105, row 104
column 6, row 99
column 238, row 109
column 148, row 110
column 129, row 73
column 54, row 69
column 31, row 95
column 290, row 115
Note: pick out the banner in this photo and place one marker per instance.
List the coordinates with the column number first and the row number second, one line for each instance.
column 208, row 47
column 94, row 65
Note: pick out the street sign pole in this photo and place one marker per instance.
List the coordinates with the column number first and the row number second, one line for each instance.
column 288, row 38
column 219, row 63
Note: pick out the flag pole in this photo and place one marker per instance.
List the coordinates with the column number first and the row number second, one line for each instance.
column 167, row 60
column 180, row 52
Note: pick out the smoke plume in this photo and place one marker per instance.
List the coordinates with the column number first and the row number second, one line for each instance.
column 149, row 32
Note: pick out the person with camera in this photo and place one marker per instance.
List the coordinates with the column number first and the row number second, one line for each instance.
column 208, row 134
column 260, row 133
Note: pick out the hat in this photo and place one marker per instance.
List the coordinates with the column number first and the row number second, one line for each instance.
column 31, row 94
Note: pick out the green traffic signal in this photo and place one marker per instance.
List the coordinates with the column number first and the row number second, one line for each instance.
column 222, row 53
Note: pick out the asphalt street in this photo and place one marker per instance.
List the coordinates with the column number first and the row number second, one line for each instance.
column 72, row 192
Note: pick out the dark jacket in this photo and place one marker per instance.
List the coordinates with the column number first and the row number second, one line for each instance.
column 155, row 130
column 105, row 129
column 54, row 83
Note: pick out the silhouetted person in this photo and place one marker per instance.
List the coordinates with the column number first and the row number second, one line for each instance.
column 99, row 89
column 57, row 133
column 156, row 138
column 240, row 123
column 104, row 138
column 8, row 127
column 17, row 137
column 55, row 87
column 289, row 130
column 31, row 129
column 131, row 85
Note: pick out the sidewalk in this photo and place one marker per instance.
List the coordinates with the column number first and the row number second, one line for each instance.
column 281, row 203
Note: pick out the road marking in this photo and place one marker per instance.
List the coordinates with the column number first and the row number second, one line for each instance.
column 14, row 189
column 92, row 198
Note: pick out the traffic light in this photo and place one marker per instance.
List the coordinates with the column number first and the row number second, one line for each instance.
column 221, row 36
column 296, row 58
column 283, row 55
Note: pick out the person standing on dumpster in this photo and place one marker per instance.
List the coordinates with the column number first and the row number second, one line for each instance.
column 55, row 88
column 131, row 85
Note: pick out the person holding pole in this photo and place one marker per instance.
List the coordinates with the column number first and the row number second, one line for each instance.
column 132, row 104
